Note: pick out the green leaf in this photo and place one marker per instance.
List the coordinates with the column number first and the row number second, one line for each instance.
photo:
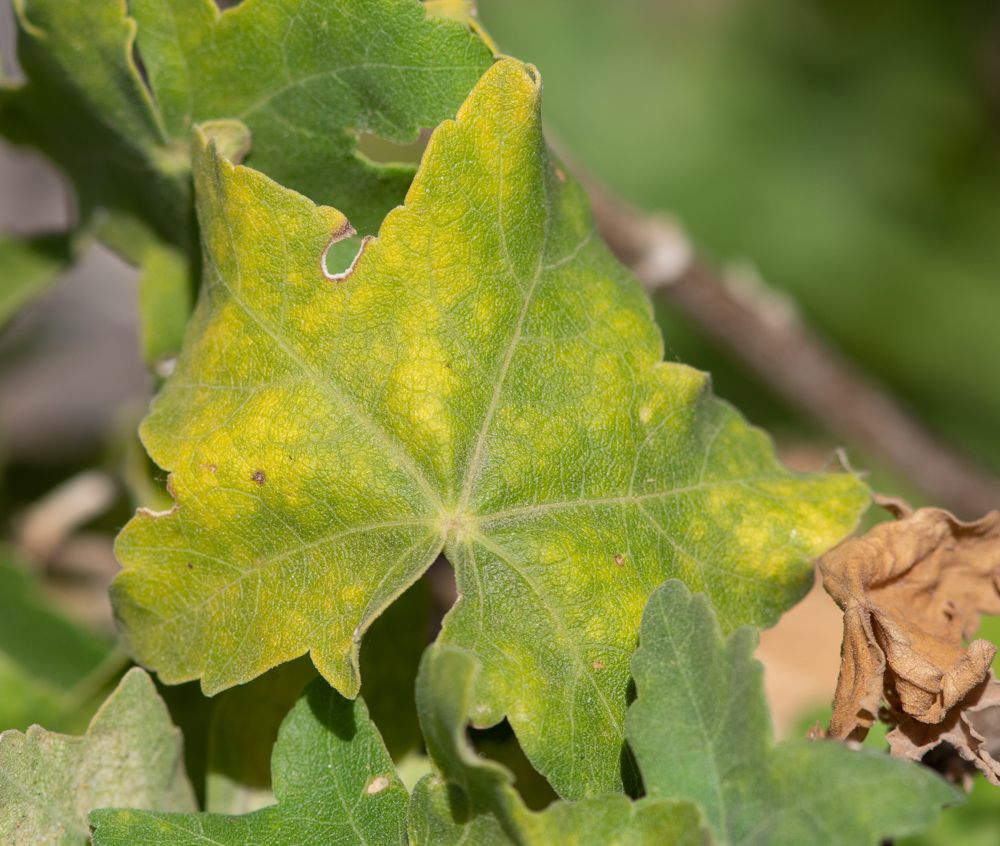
column 700, row 731
column 333, row 779
column 339, row 68
column 166, row 288
column 28, row 266
column 471, row 800
column 485, row 379
column 244, row 729
column 78, row 59
column 130, row 757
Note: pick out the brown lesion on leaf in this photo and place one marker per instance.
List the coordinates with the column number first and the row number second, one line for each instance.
column 620, row 560
column 259, row 477
column 912, row 592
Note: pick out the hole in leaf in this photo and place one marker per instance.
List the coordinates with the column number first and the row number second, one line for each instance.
column 340, row 257
column 499, row 743
column 441, row 578
column 381, row 151
column 140, row 66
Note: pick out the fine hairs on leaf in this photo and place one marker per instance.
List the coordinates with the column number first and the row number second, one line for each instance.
column 487, row 381
column 333, row 780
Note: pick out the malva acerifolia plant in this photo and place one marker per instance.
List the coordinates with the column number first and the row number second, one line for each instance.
column 386, row 365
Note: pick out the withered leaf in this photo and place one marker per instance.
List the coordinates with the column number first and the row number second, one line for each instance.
column 960, row 729
column 911, row 590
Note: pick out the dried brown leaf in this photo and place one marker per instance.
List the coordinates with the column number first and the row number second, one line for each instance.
column 963, row 729
column 911, row 591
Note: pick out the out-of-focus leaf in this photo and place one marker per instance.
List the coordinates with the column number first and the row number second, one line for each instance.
column 485, row 379
column 973, row 824
column 700, row 731
column 390, row 658
column 333, row 779
column 470, row 800
column 86, row 107
column 29, row 266
column 45, row 659
column 166, row 287
column 130, row 757
column 244, row 729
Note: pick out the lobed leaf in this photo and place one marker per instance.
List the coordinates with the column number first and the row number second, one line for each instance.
column 700, row 731
column 484, row 379
column 130, row 757
column 333, row 780
column 471, row 800
column 244, row 727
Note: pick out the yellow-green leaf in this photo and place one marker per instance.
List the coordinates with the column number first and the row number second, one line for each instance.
column 485, row 379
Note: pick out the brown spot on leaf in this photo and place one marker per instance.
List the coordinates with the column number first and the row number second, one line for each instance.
column 259, row 477
column 597, row 665
column 911, row 591
column 190, row 565
column 559, row 174
column 620, row 560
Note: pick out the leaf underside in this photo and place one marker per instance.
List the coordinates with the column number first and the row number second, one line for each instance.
column 130, row 757
column 488, row 381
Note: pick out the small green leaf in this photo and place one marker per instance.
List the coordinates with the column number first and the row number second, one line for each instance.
column 333, row 779
column 29, row 266
column 700, row 731
column 339, row 68
column 244, row 728
column 130, row 757
column 471, row 800
column 486, row 380
column 166, row 289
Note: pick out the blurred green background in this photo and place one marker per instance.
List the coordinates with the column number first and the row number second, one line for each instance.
column 849, row 150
